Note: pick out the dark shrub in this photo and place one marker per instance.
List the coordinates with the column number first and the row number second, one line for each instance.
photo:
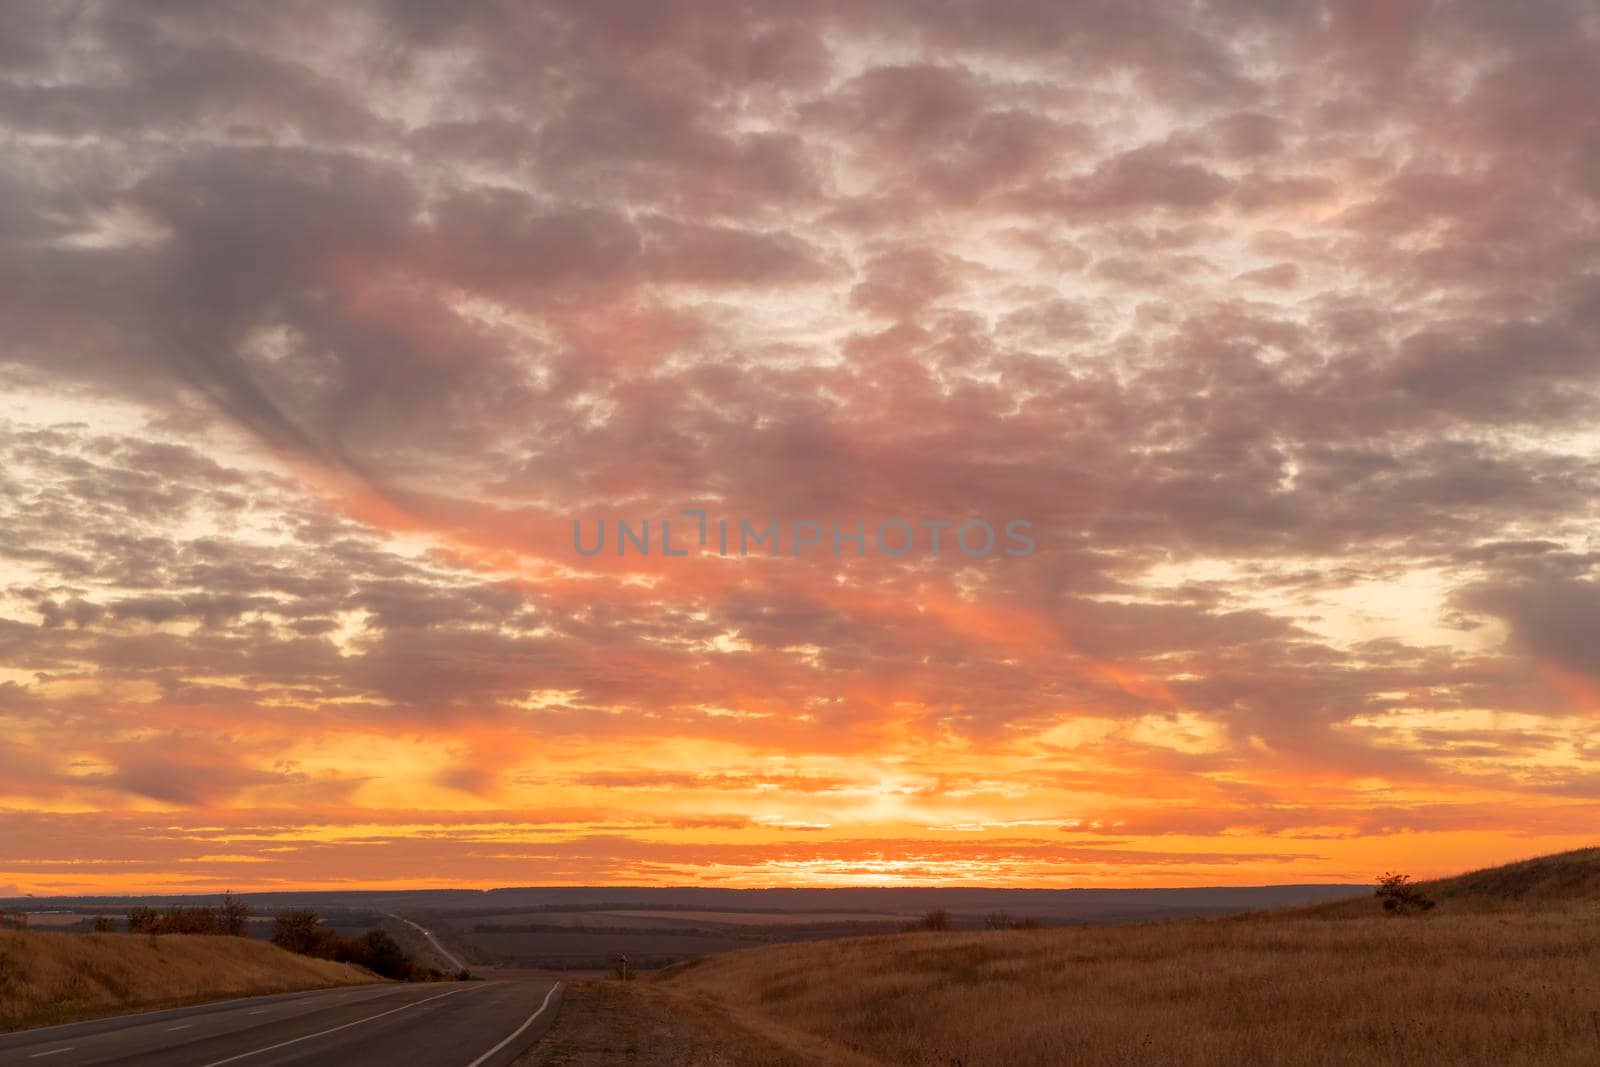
column 303, row 932
column 376, row 950
column 380, row 953
column 1400, row 897
column 180, row 920
column 233, row 916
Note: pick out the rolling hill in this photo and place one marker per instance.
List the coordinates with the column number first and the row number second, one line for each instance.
column 48, row 978
column 1544, row 882
column 1505, row 971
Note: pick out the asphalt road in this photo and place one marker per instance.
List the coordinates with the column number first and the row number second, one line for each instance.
column 455, row 961
column 429, row 1024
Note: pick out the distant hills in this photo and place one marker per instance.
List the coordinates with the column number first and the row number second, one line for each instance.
column 1057, row 905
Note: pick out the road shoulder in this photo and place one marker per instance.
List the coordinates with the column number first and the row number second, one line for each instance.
column 606, row 1023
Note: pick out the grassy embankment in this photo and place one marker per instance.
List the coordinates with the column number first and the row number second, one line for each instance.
column 1506, row 970
column 48, row 978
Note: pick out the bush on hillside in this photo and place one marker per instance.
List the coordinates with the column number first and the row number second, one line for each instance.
column 937, row 919
column 228, row 918
column 302, row 932
column 1401, row 897
column 376, row 950
column 233, row 916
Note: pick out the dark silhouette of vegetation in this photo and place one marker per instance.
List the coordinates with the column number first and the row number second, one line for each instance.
column 105, row 924
column 1000, row 920
column 194, row 920
column 1401, row 897
column 303, row 932
column 233, row 916
column 937, row 919
column 229, row 919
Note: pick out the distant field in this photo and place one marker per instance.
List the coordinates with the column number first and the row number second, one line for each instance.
column 588, row 950
column 650, row 938
column 771, row 918
column 592, row 920
column 44, row 919
column 665, row 918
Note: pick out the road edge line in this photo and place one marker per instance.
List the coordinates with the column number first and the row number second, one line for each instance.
column 518, row 1031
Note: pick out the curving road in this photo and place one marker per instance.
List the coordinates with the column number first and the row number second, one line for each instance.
column 437, row 1024
column 455, row 961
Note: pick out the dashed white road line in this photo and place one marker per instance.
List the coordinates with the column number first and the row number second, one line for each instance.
column 185, row 1026
column 52, row 1052
column 332, row 1029
column 513, row 1035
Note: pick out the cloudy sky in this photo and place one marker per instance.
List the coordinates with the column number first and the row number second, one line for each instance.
column 324, row 323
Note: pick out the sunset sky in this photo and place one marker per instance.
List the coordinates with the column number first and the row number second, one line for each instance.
column 321, row 325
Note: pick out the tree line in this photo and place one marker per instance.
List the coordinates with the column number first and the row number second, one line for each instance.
column 304, row 932
column 300, row 931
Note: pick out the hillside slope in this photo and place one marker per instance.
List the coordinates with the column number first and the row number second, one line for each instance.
column 50, row 978
column 1564, row 876
column 1331, row 984
column 1563, row 879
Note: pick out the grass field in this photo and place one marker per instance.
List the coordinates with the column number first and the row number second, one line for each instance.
column 48, row 978
column 1505, row 971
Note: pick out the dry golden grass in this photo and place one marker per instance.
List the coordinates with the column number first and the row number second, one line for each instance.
column 1520, row 986
column 1560, row 879
column 606, row 1023
column 50, row 978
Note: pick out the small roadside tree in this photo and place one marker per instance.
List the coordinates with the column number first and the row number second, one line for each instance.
column 233, row 915
column 302, row 931
column 380, row 953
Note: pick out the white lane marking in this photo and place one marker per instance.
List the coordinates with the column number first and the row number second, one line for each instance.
column 258, row 1011
column 513, row 1035
column 226, row 1004
column 330, row 1030
column 52, row 1052
column 185, row 1026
